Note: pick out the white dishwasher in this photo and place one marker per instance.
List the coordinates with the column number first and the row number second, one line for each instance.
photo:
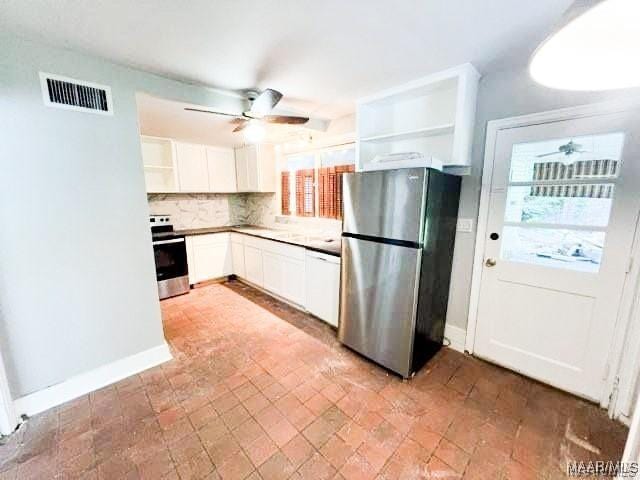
column 323, row 286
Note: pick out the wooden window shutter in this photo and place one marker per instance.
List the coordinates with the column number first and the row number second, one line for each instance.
column 330, row 190
column 305, row 193
column 286, row 193
column 333, row 193
column 340, row 170
column 322, row 192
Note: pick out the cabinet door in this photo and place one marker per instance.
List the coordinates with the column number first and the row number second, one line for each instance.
column 221, row 163
column 293, row 276
column 323, row 288
column 253, row 265
column 242, row 180
column 193, row 174
column 210, row 257
column 273, row 268
column 253, row 164
column 237, row 252
column 266, row 168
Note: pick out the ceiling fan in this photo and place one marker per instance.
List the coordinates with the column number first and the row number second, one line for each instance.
column 567, row 149
column 261, row 104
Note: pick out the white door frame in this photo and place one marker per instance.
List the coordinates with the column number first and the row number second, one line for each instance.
column 626, row 322
column 8, row 417
column 632, row 447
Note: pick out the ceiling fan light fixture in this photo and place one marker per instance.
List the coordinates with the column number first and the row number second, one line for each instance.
column 254, row 132
column 595, row 48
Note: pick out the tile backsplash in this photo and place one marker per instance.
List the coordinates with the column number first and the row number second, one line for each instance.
column 199, row 210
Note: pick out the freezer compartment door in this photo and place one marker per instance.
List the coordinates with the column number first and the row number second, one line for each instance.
column 378, row 298
column 385, row 204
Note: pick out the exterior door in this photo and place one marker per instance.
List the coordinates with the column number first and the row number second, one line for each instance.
column 563, row 209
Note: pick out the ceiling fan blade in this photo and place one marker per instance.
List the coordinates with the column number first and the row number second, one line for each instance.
column 241, row 123
column 286, row 119
column 265, row 102
column 190, row 109
column 548, row 154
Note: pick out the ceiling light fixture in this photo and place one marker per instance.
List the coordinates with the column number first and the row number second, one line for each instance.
column 596, row 47
column 254, row 132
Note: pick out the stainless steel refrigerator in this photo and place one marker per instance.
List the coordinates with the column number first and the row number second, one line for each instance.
column 397, row 248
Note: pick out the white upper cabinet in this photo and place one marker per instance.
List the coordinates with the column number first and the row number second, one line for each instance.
column 427, row 122
column 158, row 158
column 221, row 164
column 242, row 170
column 256, row 168
column 193, row 173
column 171, row 166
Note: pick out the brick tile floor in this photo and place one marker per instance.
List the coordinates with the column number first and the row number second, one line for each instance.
column 259, row 390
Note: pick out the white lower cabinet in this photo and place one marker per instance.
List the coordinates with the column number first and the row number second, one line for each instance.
column 237, row 254
column 308, row 279
column 272, row 266
column 253, row 265
column 293, row 280
column 323, row 286
column 208, row 256
column 283, row 267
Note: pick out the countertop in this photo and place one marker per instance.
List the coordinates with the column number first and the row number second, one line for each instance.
column 329, row 244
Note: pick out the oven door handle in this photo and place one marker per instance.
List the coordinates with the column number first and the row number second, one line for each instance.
column 164, row 242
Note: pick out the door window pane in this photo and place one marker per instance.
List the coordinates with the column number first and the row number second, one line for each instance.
column 579, row 250
column 568, row 204
column 591, row 157
column 569, row 182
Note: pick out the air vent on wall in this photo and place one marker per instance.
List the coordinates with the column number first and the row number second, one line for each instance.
column 72, row 94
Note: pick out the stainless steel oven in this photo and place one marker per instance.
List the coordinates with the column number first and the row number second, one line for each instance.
column 170, row 251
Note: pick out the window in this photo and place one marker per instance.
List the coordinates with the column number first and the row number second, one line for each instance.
column 330, row 190
column 286, row 193
column 305, row 193
column 559, row 200
column 317, row 181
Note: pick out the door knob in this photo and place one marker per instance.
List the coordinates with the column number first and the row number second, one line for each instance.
column 491, row 262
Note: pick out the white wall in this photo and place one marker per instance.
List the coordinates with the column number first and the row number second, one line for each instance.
column 501, row 94
column 77, row 278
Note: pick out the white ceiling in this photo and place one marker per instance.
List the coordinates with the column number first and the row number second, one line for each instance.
column 322, row 54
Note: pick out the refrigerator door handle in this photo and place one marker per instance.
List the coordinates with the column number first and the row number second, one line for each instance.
column 386, row 241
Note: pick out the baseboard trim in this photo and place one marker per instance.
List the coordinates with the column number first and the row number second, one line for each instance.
column 93, row 380
column 456, row 337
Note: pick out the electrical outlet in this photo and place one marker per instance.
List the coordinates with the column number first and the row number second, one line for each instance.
column 465, row 225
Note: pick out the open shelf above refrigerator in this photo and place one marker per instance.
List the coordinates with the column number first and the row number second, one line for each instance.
column 425, row 123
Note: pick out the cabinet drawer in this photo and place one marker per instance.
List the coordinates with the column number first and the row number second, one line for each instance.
column 284, row 249
column 209, row 238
